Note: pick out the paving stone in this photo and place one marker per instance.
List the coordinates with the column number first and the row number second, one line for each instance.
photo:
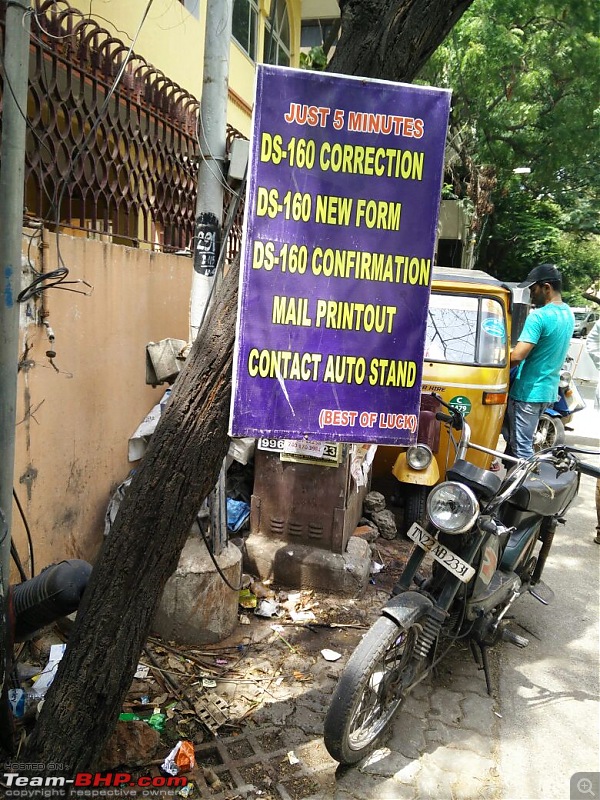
column 483, row 787
column 446, row 704
column 438, row 732
column 311, row 722
column 478, row 713
column 409, row 772
column 359, row 785
column 274, row 713
column 475, row 684
column 458, row 762
column 417, row 706
column 407, row 735
column 472, row 741
column 434, row 783
column 383, row 762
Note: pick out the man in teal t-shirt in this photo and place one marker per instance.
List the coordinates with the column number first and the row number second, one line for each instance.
column 539, row 355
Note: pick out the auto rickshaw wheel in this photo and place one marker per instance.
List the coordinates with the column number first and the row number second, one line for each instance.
column 550, row 432
column 415, row 505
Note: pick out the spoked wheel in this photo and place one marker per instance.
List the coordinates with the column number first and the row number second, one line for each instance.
column 549, row 432
column 370, row 690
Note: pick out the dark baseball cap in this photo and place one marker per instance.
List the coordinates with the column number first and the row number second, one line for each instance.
column 543, row 273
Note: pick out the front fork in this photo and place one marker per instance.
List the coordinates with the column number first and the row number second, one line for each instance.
column 438, row 614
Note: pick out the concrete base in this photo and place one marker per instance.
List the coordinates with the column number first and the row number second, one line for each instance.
column 303, row 567
column 197, row 606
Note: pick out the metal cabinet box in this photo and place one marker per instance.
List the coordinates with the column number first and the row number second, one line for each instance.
column 303, row 503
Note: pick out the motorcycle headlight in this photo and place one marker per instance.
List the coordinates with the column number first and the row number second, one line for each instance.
column 419, row 456
column 452, row 507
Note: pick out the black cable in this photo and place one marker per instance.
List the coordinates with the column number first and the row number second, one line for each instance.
column 15, row 554
column 214, row 560
column 27, row 531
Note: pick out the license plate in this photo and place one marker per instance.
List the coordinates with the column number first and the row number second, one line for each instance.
column 463, row 571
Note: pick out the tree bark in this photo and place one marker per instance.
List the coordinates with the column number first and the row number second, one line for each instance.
column 379, row 39
column 392, row 39
column 177, row 472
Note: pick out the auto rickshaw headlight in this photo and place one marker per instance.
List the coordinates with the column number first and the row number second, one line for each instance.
column 452, row 507
column 419, row 456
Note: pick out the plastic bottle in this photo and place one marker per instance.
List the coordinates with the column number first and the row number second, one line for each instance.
column 22, row 700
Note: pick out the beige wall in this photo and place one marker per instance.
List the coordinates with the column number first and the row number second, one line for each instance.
column 75, row 416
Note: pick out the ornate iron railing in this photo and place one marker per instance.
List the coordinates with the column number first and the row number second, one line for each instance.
column 119, row 164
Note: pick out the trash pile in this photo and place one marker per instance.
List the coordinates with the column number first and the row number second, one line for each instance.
column 183, row 696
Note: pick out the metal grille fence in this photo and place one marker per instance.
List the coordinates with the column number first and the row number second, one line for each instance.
column 120, row 165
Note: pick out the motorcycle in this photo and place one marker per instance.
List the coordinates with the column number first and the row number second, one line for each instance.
column 483, row 531
column 550, row 429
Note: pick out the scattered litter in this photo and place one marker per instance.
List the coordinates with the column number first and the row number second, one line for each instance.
column 186, row 791
column 302, row 616
column 169, row 766
column 41, row 685
column 221, row 662
column 21, row 701
column 268, row 608
column 330, row 655
column 142, row 672
column 301, row 676
column 498, row 715
column 185, row 757
column 237, row 513
column 293, row 758
column 376, row 567
column 247, row 599
column 260, row 590
column 278, row 629
column 211, row 711
column 212, row 778
column 208, row 683
column 157, row 721
column 244, row 619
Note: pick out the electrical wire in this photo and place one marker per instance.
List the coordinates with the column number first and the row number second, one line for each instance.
column 58, row 276
column 27, row 531
column 212, row 159
column 214, row 560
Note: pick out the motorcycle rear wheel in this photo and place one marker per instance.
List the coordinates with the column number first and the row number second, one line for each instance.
column 550, row 432
column 370, row 690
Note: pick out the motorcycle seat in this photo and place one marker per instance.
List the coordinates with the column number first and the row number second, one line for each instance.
column 546, row 493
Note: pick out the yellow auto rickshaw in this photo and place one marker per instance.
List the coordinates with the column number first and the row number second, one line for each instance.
column 466, row 363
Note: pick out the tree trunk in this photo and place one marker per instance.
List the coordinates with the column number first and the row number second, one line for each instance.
column 392, row 39
column 177, row 472
column 379, row 39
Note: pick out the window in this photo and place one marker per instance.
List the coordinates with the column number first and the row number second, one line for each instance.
column 245, row 20
column 465, row 330
column 316, row 31
column 277, row 35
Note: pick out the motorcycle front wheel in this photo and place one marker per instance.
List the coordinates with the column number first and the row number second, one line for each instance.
column 370, row 690
column 550, row 432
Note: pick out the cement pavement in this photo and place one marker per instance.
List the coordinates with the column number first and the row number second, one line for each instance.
column 549, row 692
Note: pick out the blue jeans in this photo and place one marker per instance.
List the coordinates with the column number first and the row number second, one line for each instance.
column 522, row 421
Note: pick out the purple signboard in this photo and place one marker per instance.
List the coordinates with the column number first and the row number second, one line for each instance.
column 341, row 213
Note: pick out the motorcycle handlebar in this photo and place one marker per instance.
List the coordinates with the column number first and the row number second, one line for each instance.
column 455, row 419
column 589, row 469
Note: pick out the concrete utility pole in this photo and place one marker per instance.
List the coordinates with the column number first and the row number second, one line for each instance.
column 12, row 178
column 212, row 127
